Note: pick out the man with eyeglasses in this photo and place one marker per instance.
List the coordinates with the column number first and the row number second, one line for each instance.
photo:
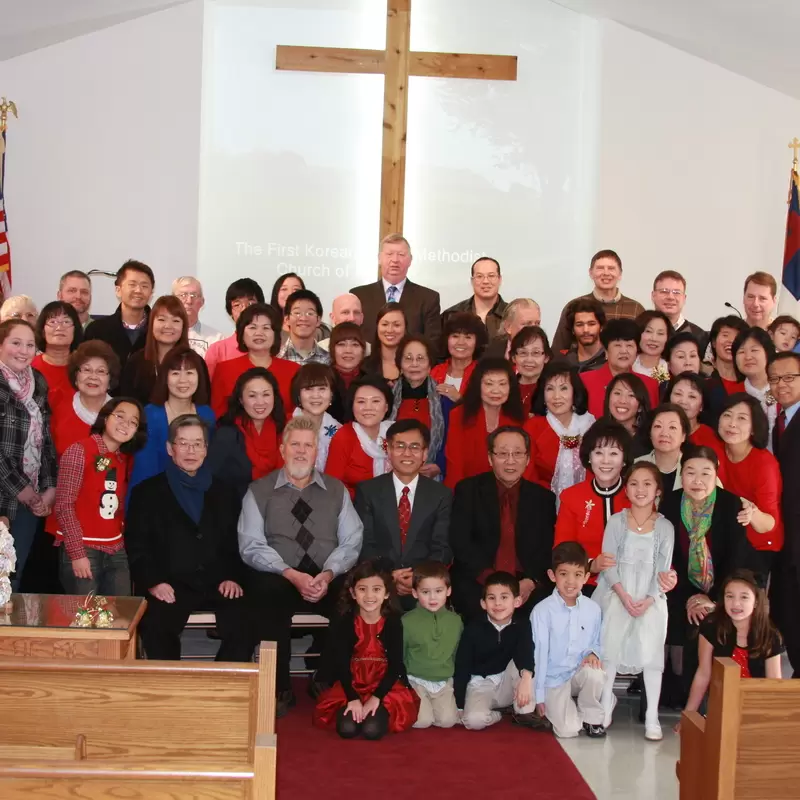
column 501, row 522
column 486, row 301
column 190, row 292
column 784, row 382
column 406, row 516
column 669, row 297
column 303, row 312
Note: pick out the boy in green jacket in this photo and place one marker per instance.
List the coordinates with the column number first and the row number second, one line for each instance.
column 431, row 633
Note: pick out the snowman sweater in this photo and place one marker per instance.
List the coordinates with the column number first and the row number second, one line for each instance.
column 92, row 482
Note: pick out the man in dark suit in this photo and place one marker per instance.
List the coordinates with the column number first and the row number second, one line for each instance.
column 406, row 516
column 784, row 382
column 420, row 304
column 126, row 329
column 500, row 521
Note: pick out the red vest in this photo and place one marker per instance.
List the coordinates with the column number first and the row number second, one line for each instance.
column 101, row 500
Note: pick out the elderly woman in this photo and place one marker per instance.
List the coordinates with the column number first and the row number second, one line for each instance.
column 390, row 328
column 20, row 306
column 258, row 333
column 167, row 327
column 28, row 458
column 181, row 388
column 90, row 498
column 246, row 444
column 347, row 348
column 529, row 352
column 58, row 333
column 466, row 339
column 183, row 548
column 312, row 394
column 668, row 431
column 560, row 420
column 683, row 354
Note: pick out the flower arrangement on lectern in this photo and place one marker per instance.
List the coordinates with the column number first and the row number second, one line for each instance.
column 8, row 562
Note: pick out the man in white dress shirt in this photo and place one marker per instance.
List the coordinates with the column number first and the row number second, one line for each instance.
column 201, row 336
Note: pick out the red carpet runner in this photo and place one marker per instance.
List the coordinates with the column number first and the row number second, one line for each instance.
column 503, row 761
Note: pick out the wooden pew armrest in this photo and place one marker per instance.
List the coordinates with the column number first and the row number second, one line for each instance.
column 118, row 769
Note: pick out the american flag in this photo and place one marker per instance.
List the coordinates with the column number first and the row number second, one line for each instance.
column 5, row 247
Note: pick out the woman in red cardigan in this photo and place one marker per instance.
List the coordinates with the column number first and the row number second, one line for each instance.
column 586, row 507
column 529, row 351
column 358, row 449
column 753, row 473
column 560, row 420
column 491, row 400
column 58, row 333
column 90, row 501
column 466, row 339
column 258, row 332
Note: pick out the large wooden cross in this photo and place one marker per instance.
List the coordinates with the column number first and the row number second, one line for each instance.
column 396, row 63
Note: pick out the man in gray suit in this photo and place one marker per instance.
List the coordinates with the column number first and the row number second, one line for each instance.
column 406, row 516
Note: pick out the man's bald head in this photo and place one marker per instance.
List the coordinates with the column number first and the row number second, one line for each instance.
column 346, row 308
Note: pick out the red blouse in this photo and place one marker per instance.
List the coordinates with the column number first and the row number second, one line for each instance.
column 757, row 478
column 732, row 387
column 596, row 382
column 704, row 436
column 58, row 384
column 415, row 409
column 544, row 451
column 439, row 374
column 227, row 373
column 466, row 452
column 526, row 392
column 347, row 460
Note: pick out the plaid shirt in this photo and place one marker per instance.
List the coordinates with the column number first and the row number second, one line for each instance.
column 620, row 308
column 14, row 424
column 316, row 356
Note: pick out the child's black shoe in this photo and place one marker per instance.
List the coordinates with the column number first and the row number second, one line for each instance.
column 594, row 731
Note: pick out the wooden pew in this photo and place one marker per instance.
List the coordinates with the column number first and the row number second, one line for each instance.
column 748, row 747
column 154, row 730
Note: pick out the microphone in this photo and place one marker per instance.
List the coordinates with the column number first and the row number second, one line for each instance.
column 726, row 304
column 101, row 272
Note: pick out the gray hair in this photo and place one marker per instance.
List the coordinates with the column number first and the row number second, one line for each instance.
column 299, row 423
column 516, row 305
column 186, row 421
column 17, row 303
column 184, row 279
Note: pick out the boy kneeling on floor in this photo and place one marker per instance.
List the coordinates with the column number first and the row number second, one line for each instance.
column 494, row 660
column 566, row 636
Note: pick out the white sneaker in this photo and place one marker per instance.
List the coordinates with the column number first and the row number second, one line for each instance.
column 609, row 714
column 653, row 732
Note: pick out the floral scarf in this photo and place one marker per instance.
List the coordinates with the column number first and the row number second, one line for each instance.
column 569, row 470
column 697, row 523
column 376, row 449
column 23, row 384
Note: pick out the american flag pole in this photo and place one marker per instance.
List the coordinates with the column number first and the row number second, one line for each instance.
column 5, row 247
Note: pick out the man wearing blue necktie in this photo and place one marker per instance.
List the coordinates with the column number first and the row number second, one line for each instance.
column 420, row 304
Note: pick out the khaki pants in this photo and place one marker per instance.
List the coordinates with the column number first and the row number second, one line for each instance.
column 483, row 697
column 435, row 708
column 568, row 717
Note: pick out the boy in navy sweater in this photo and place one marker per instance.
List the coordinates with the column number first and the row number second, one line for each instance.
column 494, row 661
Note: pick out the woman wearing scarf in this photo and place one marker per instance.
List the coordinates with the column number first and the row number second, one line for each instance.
column 312, row 393
column 415, row 396
column 183, row 548
column 560, row 420
column 709, row 544
column 358, row 451
column 27, row 455
column 246, row 444
column 347, row 348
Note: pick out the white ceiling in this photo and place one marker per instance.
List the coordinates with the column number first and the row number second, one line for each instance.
column 755, row 38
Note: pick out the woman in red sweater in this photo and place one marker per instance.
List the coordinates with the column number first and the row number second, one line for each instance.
column 587, row 506
column 753, row 473
column 358, row 449
column 58, row 333
column 529, row 351
column 491, row 400
column 258, row 332
column 466, row 339
column 90, row 500
column 560, row 420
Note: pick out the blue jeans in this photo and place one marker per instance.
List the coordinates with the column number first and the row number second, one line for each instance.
column 110, row 575
column 23, row 530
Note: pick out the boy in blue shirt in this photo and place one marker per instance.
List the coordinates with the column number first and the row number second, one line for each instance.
column 566, row 637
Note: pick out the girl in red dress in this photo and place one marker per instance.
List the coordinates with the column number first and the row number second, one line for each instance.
column 371, row 696
column 529, row 351
column 491, row 400
column 466, row 339
column 58, row 333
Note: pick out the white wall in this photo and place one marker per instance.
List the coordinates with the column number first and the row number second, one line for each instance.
column 102, row 164
column 693, row 170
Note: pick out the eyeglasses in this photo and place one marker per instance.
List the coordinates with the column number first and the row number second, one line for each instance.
column 301, row 314
column 415, row 447
column 666, row 292
column 409, row 359
column 787, row 379
column 529, row 353
column 59, row 323
column 492, row 276
column 124, row 421
column 188, row 447
column 30, row 316
column 504, row 455
column 100, row 372
column 189, row 295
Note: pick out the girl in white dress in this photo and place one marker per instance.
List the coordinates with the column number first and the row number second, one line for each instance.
column 634, row 607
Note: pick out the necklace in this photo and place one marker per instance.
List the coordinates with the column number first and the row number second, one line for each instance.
column 636, row 522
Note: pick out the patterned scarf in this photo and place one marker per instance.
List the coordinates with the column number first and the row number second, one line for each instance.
column 376, row 449
column 22, row 384
column 569, row 470
column 697, row 523
column 402, row 390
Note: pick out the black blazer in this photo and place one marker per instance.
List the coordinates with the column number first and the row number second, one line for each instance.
column 475, row 527
column 420, row 304
column 111, row 331
column 427, row 538
column 787, row 451
column 165, row 545
column 228, row 459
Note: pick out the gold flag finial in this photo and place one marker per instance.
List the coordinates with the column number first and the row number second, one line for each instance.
column 794, row 145
column 5, row 107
